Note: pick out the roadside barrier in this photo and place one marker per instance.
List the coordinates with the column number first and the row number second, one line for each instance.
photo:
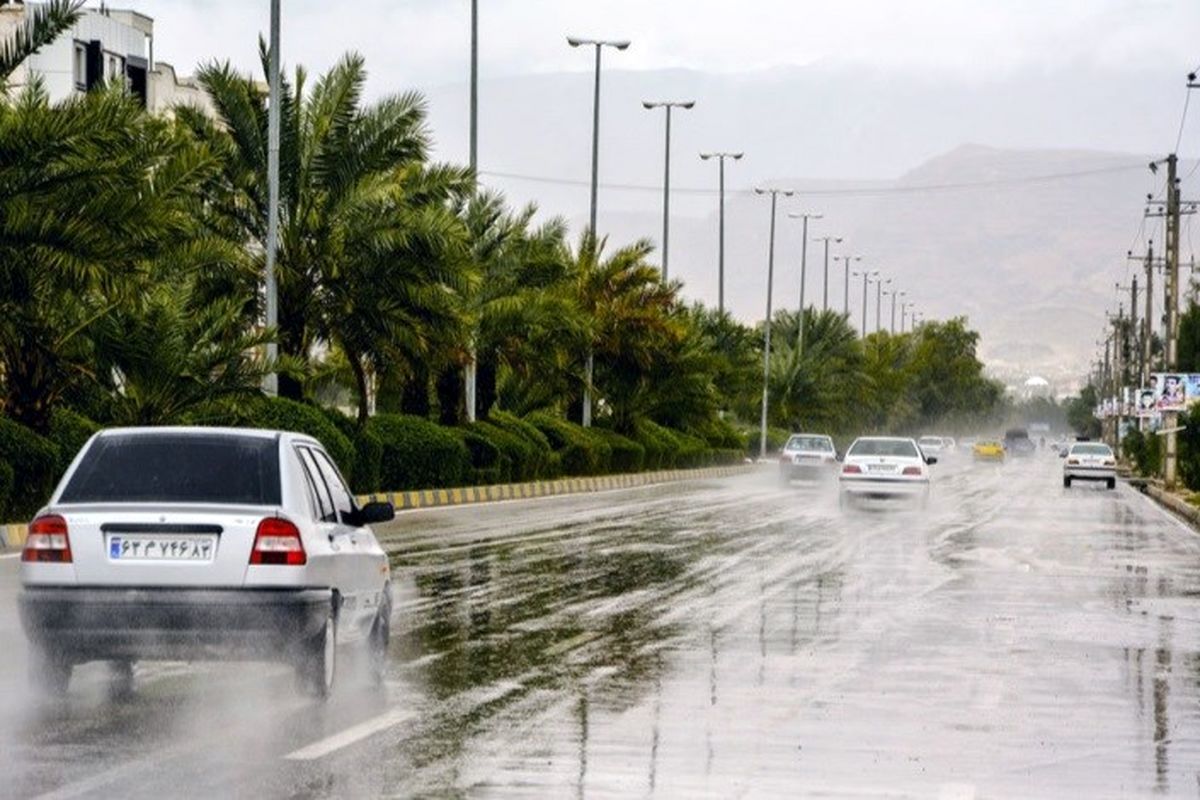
column 12, row 536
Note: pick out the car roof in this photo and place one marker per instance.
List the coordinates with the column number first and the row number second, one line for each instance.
column 813, row 435
column 884, row 439
column 203, row 430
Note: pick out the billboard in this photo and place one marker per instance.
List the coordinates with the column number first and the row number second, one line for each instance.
column 1172, row 391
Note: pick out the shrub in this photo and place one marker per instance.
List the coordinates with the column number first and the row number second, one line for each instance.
column 69, row 432
column 278, row 413
column 368, row 451
column 34, row 461
column 521, row 456
column 658, row 445
column 691, row 451
column 719, row 433
column 488, row 463
column 627, row 455
column 7, row 477
column 776, row 438
column 417, row 454
column 545, row 462
column 582, row 452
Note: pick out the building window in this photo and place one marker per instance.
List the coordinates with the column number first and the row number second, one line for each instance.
column 114, row 70
column 79, row 67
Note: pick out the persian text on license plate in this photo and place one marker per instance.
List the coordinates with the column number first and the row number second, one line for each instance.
column 165, row 547
column 881, row 468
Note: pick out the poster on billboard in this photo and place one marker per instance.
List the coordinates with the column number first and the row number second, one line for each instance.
column 1147, row 403
column 1171, row 390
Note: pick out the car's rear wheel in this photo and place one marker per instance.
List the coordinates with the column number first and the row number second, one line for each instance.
column 49, row 673
column 1112, row 483
column 1066, row 483
column 380, row 636
column 316, row 667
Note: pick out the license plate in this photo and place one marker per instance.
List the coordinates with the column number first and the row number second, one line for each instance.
column 165, row 547
column 881, row 468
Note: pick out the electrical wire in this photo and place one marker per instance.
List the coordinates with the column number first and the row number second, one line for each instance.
column 1187, row 97
column 865, row 191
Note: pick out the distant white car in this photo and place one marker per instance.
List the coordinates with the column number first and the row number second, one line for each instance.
column 203, row 543
column 1090, row 461
column 807, row 457
column 932, row 445
column 885, row 468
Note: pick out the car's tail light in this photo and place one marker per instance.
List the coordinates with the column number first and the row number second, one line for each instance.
column 911, row 471
column 1108, row 462
column 1072, row 460
column 48, row 541
column 851, row 469
column 277, row 541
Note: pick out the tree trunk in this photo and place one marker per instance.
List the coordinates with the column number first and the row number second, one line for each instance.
column 485, row 385
column 414, row 398
column 360, row 381
column 451, row 399
column 33, row 379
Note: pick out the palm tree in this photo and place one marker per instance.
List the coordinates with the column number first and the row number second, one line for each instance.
column 92, row 190
column 43, row 25
column 351, row 175
column 824, row 388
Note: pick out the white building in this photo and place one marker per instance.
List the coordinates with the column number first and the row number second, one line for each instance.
column 106, row 45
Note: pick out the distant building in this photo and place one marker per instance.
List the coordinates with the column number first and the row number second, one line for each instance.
column 1036, row 386
column 106, row 45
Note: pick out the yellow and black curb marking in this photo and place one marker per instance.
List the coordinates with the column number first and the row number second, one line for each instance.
column 432, row 498
column 12, row 536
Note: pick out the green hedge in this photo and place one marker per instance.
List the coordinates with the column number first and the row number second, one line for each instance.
column 488, row 463
column 627, row 455
column 34, row 461
column 776, row 439
column 721, row 435
column 7, row 478
column 69, row 432
column 547, row 463
column 418, row 454
column 583, row 452
column 368, row 452
column 278, row 413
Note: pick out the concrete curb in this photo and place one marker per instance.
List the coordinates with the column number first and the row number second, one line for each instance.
column 12, row 536
column 464, row 495
column 1175, row 504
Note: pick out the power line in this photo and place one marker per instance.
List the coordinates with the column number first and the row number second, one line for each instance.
column 865, row 191
column 1187, row 97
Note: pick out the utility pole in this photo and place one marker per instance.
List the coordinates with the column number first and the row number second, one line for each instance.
column 721, row 225
column 271, row 287
column 878, row 294
column 1147, row 333
column 903, row 314
column 803, row 274
column 846, row 298
column 825, row 285
column 866, row 276
column 762, row 436
column 668, row 106
column 893, row 293
column 471, row 370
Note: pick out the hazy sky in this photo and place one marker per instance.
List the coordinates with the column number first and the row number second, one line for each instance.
column 424, row 42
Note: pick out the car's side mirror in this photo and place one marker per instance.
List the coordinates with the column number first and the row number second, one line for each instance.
column 931, row 460
column 1062, row 453
column 373, row 513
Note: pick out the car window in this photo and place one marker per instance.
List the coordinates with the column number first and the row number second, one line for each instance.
column 177, row 468
column 902, row 448
column 343, row 501
column 1091, row 450
column 819, row 443
column 317, row 484
column 927, row 441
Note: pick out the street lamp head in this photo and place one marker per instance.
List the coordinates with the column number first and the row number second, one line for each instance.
column 737, row 156
column 757, row 190
column 787, row 192
column 620, row 45
column 688, row 104
column 647, row 104
column 706, row 156
column 575, row 41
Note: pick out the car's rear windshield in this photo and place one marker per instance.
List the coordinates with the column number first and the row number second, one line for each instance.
column 1092, row 449
column 884, row 447
column 809, row 443
column 933, row 440
column 177, row 468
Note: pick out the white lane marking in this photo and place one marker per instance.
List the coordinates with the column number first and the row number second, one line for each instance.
column 10, row 555
column 351, row 735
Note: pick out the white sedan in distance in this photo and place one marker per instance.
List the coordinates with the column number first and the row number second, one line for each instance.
column 1090, row 461
column 807, row 457
column 885, row 468
column 203, row 543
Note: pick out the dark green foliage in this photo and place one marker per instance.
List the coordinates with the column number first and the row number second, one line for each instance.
column 7, row 477
column 522, row 461
column 278, row 413
column 1145, row 451
column 547, row 463
column 719, row 433
column 368, row 452
column 69, row 432
column 582, row 452
column 419, row 454
column 627, row 455
column 34, row 461
column 488, row 464
column 776, row 438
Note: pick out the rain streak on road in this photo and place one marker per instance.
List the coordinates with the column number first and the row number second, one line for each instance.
column 712, row 638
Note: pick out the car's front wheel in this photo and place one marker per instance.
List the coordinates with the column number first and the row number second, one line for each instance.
column 317, row 661
column 1066, row 483
column 380, row 636
column 49, row 673
column 1112, row 483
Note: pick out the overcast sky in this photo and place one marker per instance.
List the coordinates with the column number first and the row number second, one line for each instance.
column 424, row 42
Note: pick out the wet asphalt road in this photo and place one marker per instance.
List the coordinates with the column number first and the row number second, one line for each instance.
column 721, row 638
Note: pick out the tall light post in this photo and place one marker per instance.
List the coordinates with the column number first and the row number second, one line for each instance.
column 894, row 294
column 599, row 44
column 867, row 275
column 270, row 288
column 668, row 105
column 846, row 298
column 825, row 286
column 878, row 294
column 805, row 217
column 720, row 156
column 904, row 307
column 762, row 436
column 471, row 370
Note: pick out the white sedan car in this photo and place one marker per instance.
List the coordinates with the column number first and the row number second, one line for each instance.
column 1090, row 461
column 807, row 457
column 203, row 543
column 885, row 468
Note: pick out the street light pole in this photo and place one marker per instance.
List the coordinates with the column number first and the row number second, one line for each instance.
column 866, row 276
column 591, row 239
column 762, row 436
column 803, row 274
column 878, row 292
column 825, row 286
column 721, row 224
column 846, row 297
column 598, row 44
column 893, row 326
column 270, row 289
column 668, row 105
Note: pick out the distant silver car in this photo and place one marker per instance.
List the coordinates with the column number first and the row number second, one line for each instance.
column 203, row 543
column 807, row 457
column 1090, row 461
